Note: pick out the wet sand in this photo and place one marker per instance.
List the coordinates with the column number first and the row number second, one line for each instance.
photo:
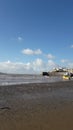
column 40, row 106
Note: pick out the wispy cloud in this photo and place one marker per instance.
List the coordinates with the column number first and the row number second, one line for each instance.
column 71, row 46
column 52, row 64
column 20, row 39
column 64, row 60
column 31, row 52
column 70, row 64
column 50, row 56
column 67, row 63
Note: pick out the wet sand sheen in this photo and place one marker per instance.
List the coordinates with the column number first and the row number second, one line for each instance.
column 39, row 112
column 61, row 119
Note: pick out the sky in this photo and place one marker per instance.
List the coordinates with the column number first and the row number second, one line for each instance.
column 35, row 35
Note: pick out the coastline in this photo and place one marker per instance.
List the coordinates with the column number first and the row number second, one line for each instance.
column 37, row 106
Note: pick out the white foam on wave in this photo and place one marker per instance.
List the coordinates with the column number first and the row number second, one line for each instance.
column 11, row 80
column 6, row 84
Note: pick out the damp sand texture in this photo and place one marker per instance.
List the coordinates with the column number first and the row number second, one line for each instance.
column 37, row 106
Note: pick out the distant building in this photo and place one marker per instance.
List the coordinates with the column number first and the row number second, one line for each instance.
column 59, row 69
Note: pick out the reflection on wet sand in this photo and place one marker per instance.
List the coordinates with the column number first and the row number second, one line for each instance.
column 37, row 106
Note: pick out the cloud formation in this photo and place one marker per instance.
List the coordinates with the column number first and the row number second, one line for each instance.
column 36, row 66
column 31, row 52
column 15, row 67
column 67, row 63
column 70, row 64
column 64, row 60
column 50, row 56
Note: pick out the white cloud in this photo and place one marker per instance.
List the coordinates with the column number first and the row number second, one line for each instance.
column 51, row 64
column 36, row 66
column 38, row 62
column 50, row 56
column 27, row 51
column 31, row 52
column 15, row 67
column 67, row 63
column 37, row 52
column 70, row 64
column 64, row 60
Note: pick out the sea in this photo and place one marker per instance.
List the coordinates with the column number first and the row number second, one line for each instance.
column 12, row 79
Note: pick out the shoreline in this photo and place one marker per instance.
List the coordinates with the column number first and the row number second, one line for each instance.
column 39, row 83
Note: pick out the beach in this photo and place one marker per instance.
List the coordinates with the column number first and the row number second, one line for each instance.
column 37, row 106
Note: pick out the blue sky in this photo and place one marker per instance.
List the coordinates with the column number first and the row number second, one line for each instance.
column 35, row 35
